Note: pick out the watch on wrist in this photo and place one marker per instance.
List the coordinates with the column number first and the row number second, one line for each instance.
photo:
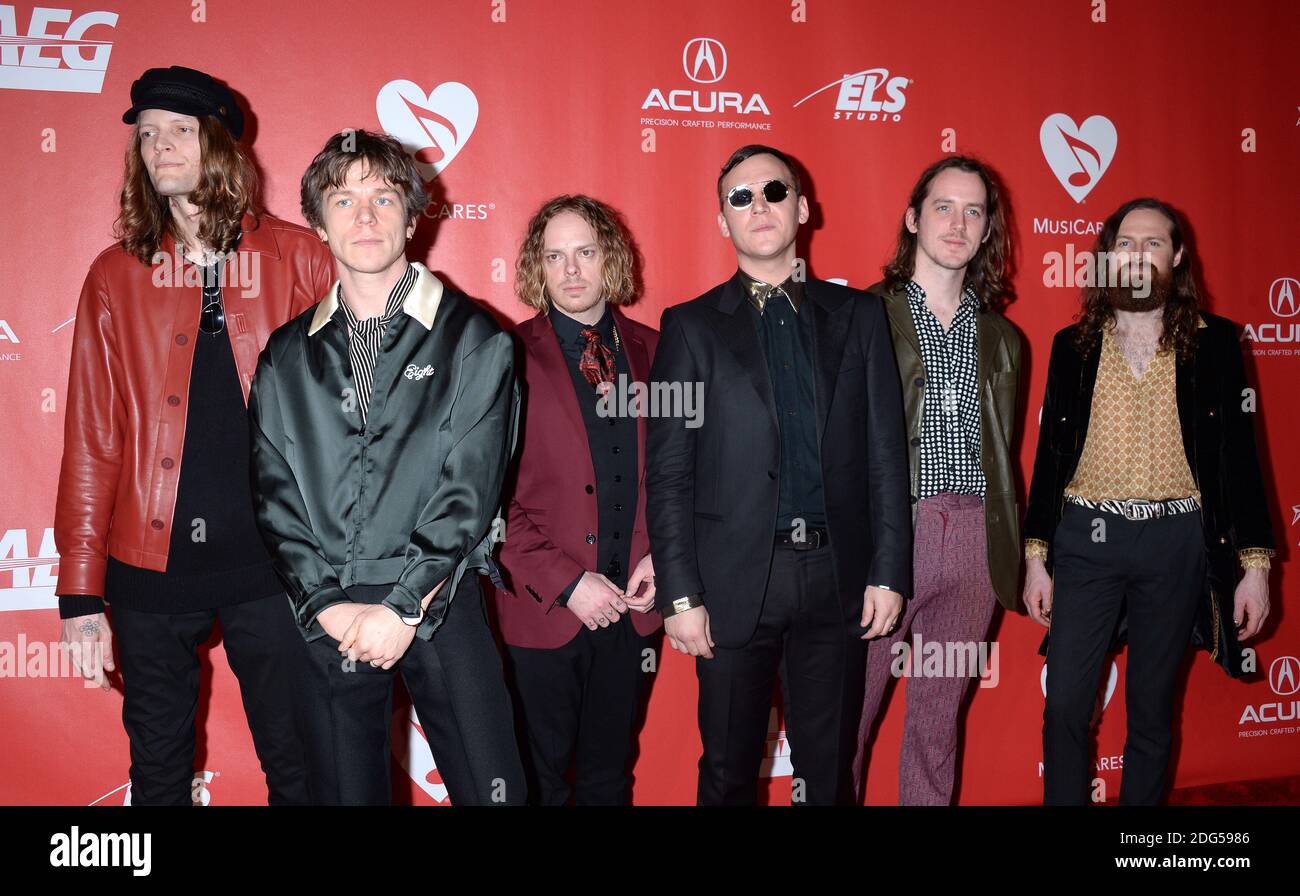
column 681, row 605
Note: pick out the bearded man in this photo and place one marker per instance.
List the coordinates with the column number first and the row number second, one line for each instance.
column 1146, row 494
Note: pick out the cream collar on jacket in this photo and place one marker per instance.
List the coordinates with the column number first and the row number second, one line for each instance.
column 421, row 302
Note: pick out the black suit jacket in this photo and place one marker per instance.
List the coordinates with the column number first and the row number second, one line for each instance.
column 712, row 491
column 1218, row 439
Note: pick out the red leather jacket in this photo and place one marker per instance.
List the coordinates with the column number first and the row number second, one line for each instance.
column 128, row 388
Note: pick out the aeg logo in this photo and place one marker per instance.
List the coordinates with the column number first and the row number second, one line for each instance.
column 44, row 60
column 30, row 582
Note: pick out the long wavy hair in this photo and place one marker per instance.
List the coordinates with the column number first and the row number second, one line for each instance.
column 227, row 189
column 986, row 273
column 618, row 271
column 1182, row 309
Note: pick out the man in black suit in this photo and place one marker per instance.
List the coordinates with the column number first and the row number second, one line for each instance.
column 779, row 518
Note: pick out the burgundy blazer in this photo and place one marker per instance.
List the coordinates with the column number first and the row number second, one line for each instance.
column 552, row 498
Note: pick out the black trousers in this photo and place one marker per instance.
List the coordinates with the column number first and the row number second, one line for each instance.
column 160, row 677
column 580, row 705
column 1156, row 568
column 455, row 682
column 812, row 638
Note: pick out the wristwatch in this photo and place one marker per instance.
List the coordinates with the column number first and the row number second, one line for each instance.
column 406, row 607
column 681, row 605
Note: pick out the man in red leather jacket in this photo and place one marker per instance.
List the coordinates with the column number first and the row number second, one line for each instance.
column 154, row 511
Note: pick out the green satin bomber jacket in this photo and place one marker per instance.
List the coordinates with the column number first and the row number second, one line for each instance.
column 408, row 499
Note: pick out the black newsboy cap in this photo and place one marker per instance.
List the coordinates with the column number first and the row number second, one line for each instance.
column 189, row 92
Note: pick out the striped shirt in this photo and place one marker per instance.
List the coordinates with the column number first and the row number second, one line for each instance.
column 366, row 337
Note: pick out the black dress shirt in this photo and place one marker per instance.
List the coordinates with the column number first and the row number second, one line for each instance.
column 786, row 337
column 613, row 445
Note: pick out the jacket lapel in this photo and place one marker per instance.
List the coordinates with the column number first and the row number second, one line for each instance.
column 900, row 318
column 638, row 363
column 988, row 340
column 830, row 330
column 1185, row 396
column 737, row 332
column 544, row 346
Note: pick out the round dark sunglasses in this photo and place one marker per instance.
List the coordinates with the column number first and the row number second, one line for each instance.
column 742, row 195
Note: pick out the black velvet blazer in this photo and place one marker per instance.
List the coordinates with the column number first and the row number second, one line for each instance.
column 1216, row 414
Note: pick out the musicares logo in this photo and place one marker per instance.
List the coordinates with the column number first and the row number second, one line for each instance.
column 412, row 750
column 1078, row 154
column 1111, row 681
column 434, row 126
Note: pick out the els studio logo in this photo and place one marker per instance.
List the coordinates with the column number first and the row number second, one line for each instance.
column 434, row 127
column 47, row 57
column 1078, row 154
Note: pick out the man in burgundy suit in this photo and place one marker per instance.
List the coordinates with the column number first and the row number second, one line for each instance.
column 580, row 608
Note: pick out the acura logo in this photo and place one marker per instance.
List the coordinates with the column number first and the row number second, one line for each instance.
column 1284, row 676
column 1282, row 296
column 704, row 60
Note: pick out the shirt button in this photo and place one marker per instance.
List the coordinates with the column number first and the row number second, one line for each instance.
column 157, row 524
column 919, row 383
column 181, row 339
column 916, row 440
column 591, row 539
column 590, row 489
column 913, row 499
column 617, row 536
column 168, row 463
column 616, row 449
column 173, row 400
column 771, row 474
column 618, row 507
column 618, row 477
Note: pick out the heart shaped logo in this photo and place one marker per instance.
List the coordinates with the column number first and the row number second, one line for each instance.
column 1078, row 154
column 433, row 127
column 411, row 748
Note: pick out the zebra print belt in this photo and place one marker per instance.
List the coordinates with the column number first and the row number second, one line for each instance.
column 1139, row 508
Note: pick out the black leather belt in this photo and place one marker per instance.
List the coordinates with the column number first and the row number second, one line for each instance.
column 808, row 539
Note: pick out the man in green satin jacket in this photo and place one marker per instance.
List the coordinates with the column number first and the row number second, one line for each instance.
column 383, row 419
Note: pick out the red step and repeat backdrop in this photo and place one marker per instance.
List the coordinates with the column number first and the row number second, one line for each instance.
column 1081, row 104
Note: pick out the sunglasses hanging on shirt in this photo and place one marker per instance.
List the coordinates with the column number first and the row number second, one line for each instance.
column 213, row 319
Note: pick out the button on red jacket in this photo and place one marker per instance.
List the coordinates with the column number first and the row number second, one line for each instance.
column 128, row 388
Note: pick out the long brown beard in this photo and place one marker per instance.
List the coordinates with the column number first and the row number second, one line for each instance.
column 1124, row 298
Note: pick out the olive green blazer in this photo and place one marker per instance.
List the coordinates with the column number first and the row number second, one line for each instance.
column 999, row 382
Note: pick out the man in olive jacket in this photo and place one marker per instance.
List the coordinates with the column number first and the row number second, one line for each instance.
column 959, row 361
column 383, row 420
